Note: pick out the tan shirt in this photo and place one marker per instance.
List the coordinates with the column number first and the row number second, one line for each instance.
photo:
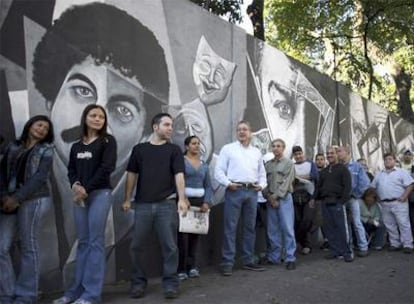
column 280, row 176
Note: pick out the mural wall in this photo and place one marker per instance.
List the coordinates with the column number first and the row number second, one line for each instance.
column 140, row 58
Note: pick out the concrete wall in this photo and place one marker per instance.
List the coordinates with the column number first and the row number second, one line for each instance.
column 137, row 58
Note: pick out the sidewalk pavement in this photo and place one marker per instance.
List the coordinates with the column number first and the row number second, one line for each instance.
column 382, row 277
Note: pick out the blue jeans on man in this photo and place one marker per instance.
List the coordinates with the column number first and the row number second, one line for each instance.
column 335, row 225
column 280, row 227
column 24, row 287
column 163, row 217
column 239, row 203
column 355, row 211
column 90, row 224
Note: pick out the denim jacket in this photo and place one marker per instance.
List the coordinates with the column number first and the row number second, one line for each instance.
column 360, row 180
column 38, row 166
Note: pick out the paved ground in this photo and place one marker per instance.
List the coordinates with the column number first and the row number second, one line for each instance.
column 383, row 277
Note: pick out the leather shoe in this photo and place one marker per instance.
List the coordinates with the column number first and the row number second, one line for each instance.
column 290, row 266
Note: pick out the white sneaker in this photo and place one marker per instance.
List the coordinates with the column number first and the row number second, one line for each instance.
column 82, row 301
column 63, row 300
column 194, row 273
column 182, row 276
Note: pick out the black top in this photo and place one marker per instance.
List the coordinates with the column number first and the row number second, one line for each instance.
column 21, row 166
column 335, row 184
column 156, row 166
column 92, row 164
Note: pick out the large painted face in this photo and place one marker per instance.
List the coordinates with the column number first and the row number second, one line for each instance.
column 122, row 97
column 212, row 74
column 283, row 109
column 190, row 122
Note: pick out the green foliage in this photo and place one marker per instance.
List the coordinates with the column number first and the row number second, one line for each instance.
column 348, row 40
column 229, row 8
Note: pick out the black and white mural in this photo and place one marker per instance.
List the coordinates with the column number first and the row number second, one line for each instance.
column 137, row 58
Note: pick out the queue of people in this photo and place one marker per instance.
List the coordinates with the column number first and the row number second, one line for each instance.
column 355, row 212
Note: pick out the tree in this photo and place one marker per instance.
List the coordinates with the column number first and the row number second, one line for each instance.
column 229, row 8
column 255, row 13
column 367, row 45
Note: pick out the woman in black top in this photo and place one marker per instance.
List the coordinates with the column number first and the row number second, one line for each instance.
column 24, row 172
column 91, row 162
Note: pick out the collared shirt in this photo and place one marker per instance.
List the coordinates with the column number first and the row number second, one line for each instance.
column 280, row 175
column 237, row 163
column 360, row 180
column 392, row 183
column 374, row 213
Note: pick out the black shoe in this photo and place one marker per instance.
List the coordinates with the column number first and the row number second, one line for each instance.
column 348, row 259
column 226, row 270
column 408, row 250
column 363, row 253
column 137, row 292
column 290, row 266
column 331, row 256
column 170, row 293
column 253, row 267
column 393, row 248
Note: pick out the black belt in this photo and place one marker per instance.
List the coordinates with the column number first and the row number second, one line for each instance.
column 245, row 185
column 387, row 200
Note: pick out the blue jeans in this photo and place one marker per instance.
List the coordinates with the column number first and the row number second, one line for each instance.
column 335, row 226
column 163, row 217
column 280, row 226
column 90, row 224
column 24, row 287
column 239, row 202
column 376, row 234
column 353, row 206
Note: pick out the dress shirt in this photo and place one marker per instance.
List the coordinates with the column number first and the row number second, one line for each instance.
column 391, row 184
column 238, row 163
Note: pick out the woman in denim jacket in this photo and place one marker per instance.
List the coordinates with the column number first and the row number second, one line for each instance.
column 24, row 175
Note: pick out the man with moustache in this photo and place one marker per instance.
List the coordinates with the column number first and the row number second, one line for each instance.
column 334, row 190
column 240, row 169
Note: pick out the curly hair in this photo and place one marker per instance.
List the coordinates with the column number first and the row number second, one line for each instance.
column 110, row 36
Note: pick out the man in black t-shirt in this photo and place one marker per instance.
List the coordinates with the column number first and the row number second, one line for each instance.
column 156, row 168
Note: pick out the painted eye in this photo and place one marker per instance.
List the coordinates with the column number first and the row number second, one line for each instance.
column 122, row 113
column 83, row 92
column 204, row 67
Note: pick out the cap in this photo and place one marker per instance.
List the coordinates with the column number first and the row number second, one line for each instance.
column 296, row 149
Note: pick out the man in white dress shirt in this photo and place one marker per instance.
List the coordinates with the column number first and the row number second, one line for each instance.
column 240, row 169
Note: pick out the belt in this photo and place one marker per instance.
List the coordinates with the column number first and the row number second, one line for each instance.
column 387, row 200
column 245, row 185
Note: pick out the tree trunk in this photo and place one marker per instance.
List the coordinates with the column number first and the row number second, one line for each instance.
column 403, row 85
column 255, row 13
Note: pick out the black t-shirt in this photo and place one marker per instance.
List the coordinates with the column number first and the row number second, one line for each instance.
column 156, row 166
column 92, row 164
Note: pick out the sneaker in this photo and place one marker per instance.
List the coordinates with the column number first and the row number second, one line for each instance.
column 182, row 276
column 378, row 248
column 63, row 300
column 290, row 266
column 306, row 250
column 82, row 301
column 325, row 246
column 170, row 293
column 137, row 292
column 348, row 259
column 363, row 253
column 253, row 267
column 226, row 270
column 408, row 250
column 194, row 273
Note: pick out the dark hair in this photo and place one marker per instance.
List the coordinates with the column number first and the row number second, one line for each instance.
column 84, row 128
column 50, row 137
column 109, row 35
column 389, row 154
column 361, row 160
column 157, row 118
column 369, row 192
column 296, row 149
column 188, row 140
column 319, row 154
column 245, row 122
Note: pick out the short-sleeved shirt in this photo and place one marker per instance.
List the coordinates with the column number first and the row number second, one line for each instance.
column 156, row 166
column 391, row 184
